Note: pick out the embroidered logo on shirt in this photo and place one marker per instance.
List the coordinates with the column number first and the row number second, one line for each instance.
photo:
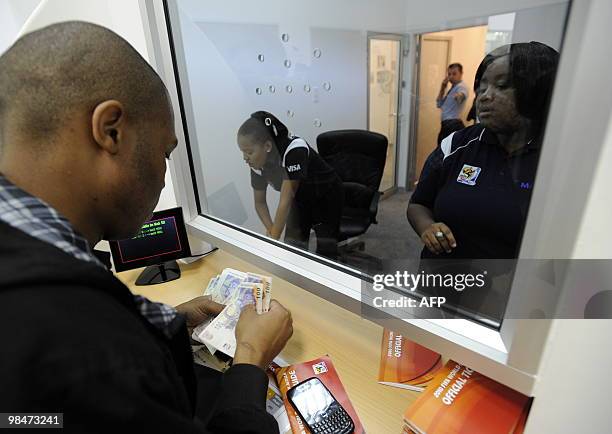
column 293, row 168
column 468, row 174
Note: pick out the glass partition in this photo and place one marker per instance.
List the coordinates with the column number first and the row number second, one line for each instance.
column 302, row 133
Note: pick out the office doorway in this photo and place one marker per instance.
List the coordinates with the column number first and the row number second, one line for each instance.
column 435, row 52
column 384, row 72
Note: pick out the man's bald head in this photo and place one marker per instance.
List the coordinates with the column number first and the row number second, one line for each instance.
column 55, row 73
column 86, row 125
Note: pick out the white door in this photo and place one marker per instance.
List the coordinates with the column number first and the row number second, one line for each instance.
column 383, row 92
column 434, row 59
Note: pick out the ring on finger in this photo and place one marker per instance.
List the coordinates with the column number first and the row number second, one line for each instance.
column 439, row 234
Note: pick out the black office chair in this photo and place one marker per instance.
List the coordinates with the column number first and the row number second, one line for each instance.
column 358, row 156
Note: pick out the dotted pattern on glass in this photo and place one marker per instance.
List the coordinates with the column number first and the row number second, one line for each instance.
column 287, row 63
column 272, row 89
column 317, row 123
column 290, row 113
column 285, row 37
column 289, row 88
column 327, row 86
column 316, row 53
column 307, row 88
column 261, row 58
column 258, row 90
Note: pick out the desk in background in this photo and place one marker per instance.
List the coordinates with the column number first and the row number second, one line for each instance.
column 319, row 327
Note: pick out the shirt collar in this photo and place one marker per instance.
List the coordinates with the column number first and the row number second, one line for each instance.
column 490, row 138
column 38, row 219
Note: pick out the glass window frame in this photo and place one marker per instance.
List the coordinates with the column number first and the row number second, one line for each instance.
column 511, row 355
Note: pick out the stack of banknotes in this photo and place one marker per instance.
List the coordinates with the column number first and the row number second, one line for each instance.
column 235, row 290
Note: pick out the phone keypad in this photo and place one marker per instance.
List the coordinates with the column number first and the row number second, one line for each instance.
column 335, row 422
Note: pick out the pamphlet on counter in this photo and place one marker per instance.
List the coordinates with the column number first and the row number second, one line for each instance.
column 406, row 364
column 460, row 400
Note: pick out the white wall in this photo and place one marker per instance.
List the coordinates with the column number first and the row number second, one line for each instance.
column 572, row 393
column 543, row 24
column 13, row 14
column 435, row 15
column 593, row 242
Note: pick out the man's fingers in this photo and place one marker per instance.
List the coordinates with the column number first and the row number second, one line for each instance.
column 207, row 306
column 275, row 305
column 248, row 308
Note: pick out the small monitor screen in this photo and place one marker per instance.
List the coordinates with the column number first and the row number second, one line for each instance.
column 161, row 238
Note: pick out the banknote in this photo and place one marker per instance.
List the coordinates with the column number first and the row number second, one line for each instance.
column 266, row 281
column 227, row 284
column 221, row 287
column 197, row 331
column 258, row 294
column 220, row 332
column 211, row 284
column 267, row 293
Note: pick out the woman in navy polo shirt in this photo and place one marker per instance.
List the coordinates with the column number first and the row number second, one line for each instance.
column 311, row 194
column 472, row 198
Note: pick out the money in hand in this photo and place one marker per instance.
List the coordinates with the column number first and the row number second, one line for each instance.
column 235, row 289
column 220, row 333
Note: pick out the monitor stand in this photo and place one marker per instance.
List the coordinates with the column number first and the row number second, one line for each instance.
column 161, row 273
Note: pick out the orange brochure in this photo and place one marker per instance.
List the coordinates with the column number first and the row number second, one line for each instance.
column 406, row 364
column 459, row 400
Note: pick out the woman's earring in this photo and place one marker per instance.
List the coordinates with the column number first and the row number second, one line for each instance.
column 268, row 150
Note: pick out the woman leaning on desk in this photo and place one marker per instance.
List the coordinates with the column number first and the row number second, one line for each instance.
column 472, row 198
column 311, row 194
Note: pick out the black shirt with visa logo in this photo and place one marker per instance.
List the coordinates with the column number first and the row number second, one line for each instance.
column 296, row 162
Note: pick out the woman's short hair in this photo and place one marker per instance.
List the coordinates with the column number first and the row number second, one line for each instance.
column 532, row 74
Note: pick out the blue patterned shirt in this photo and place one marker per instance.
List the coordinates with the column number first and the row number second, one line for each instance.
column 39, row 220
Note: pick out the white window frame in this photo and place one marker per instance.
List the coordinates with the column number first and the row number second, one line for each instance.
column 512, row 355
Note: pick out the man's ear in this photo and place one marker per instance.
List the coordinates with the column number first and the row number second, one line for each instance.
column 268, row 146
column 107, row 123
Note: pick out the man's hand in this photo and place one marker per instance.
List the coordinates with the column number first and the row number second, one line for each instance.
column 444, row 83
column 199, row 309
column 438, row 238
column 260, row 337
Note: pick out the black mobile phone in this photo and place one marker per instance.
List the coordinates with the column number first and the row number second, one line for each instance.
column 318, row 408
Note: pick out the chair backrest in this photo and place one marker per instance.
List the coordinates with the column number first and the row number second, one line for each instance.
column 356, row 155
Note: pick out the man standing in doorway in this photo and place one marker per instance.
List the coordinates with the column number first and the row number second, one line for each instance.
column 453, row 103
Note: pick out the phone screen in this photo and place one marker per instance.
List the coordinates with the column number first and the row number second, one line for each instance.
column 312, row 400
